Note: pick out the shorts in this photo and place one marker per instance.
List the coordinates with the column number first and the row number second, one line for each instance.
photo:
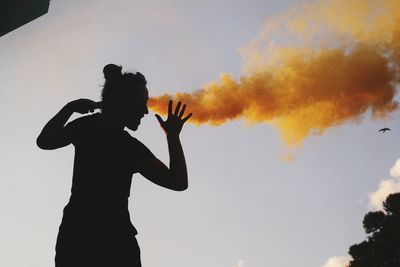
column 92, row 241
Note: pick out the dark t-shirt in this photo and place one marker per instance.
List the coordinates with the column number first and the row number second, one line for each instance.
column 105, row 160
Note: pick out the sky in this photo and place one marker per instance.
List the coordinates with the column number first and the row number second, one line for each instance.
column 245, row 205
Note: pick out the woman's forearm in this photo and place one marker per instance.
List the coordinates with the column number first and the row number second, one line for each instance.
column 177, row 163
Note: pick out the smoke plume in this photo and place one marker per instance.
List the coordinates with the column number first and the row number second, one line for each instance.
column 319, row 65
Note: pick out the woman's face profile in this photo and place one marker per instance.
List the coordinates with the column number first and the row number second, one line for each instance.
column 136, row 109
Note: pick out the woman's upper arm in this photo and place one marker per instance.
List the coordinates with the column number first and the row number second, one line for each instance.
column 61, row 137
column 54, row 140
column 151, row 168
column 155, row 171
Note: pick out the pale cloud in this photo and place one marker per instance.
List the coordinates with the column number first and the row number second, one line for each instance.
column 337, row 262
column 395, row 170
column 240, row 263
column 386, row 187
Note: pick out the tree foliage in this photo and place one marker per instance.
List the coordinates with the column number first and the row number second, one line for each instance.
column 382, row 247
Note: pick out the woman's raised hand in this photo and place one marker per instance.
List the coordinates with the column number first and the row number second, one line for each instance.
column 174, row 123
column 83, row 105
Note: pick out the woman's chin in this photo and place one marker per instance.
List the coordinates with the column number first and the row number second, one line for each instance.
column 133, row 126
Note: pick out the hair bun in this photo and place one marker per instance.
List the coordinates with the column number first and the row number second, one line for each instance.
column 112, row 71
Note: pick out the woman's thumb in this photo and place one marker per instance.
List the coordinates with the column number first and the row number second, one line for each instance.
column 159, row 119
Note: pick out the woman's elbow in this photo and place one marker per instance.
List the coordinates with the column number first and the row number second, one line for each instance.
column 181, row 187
column 44, row 144
column 40, row 143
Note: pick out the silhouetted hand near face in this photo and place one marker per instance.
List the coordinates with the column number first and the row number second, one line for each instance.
column 83, row 105
column 175, row 177
column 174, row 123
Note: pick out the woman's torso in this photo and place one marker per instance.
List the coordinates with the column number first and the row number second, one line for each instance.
column 105, row 160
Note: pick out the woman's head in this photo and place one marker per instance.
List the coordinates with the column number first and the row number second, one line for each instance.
column 124, row 96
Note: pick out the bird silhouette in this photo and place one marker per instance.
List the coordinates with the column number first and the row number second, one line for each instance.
column 384, row 130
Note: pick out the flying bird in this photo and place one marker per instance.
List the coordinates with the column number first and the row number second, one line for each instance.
column 384, row 130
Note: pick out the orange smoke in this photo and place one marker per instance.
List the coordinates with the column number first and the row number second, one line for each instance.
column 318, row 66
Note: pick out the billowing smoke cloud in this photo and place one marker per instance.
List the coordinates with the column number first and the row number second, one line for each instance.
column 319, row 65
column 337, row 262
column 386, row 187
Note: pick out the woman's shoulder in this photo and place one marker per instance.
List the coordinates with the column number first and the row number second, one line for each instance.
column 79, row 124
column 136, row 144
column 131, row 139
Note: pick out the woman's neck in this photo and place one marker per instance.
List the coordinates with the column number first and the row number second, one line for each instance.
column 113, row 122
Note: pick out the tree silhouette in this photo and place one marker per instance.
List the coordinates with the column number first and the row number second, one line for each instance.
column 382, row 247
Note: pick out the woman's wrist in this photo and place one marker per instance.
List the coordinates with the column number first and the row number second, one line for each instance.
column 172, row 136
column 68, row 108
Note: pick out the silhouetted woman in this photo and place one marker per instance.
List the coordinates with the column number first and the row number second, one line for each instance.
column 96, row 229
